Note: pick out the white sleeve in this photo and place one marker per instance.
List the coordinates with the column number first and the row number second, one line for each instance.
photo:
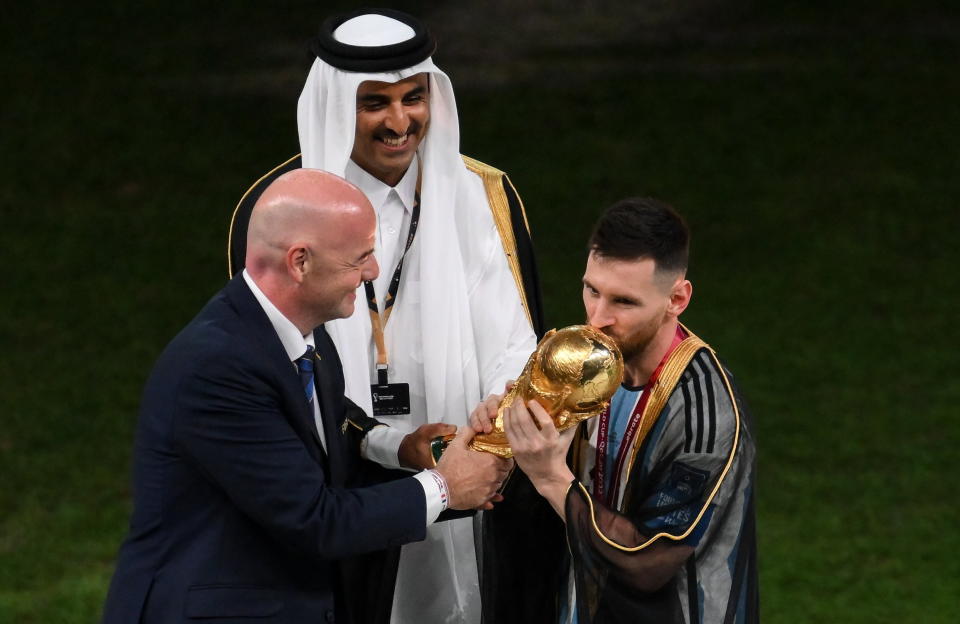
column 381, row 445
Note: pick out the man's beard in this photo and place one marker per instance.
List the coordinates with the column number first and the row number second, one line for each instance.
column 634, row 345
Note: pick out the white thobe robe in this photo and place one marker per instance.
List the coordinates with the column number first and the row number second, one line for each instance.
column 437, row 580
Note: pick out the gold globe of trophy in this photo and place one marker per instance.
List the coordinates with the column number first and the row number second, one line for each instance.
column 572, row 374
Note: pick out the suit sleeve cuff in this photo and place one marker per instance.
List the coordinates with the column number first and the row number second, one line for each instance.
column 435, row 492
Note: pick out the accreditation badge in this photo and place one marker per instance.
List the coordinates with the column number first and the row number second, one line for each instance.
column 390, row 399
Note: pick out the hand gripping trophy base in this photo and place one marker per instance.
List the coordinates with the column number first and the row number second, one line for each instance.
column 573, row 374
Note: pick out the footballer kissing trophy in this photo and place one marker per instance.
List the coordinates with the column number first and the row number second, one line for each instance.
column 572, row 374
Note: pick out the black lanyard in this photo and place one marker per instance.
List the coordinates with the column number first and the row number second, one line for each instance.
column 376, row 322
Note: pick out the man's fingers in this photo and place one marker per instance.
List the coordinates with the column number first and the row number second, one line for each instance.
column 543, row 418
column 477, row 418
column 487, row 506
column 487, row 418
column 510, row 425
column 464, row 436
column 439, row 429
column 490, row 406
column 524, row 421
column 482, row 417
column 478, row 424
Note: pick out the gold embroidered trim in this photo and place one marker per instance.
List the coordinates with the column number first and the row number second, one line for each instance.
column 500, row 208
column 733, row 450
column 663, row 388
column 523, row 209
column 233, row 217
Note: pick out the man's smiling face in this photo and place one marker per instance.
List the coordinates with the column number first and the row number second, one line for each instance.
column 392, row 119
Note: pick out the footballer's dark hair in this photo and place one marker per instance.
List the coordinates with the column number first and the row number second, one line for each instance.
column 643, row 227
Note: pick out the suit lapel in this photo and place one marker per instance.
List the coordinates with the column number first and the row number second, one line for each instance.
column 297, row 410
column 329, row 383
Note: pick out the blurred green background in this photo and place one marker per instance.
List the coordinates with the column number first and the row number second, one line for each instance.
column 813, row 149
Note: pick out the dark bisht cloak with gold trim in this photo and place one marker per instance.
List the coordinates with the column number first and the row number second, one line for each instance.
column 686, row 479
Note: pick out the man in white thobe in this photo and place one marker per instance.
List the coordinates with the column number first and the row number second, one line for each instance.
column 460, row 317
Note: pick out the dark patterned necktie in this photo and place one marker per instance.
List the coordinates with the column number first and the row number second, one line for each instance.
column 305, row 368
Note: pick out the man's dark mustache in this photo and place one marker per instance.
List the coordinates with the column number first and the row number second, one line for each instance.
column 387, row 133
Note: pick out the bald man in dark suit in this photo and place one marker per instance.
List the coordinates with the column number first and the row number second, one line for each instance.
column 242, row 465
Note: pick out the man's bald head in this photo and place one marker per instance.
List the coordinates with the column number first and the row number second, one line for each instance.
column 298, row 205
column 309, row 240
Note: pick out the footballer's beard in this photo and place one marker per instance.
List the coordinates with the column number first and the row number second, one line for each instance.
column 632, row 346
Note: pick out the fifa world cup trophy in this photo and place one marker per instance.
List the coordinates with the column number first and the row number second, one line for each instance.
column 572, row 374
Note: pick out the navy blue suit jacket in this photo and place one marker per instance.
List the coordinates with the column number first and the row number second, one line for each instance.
column 239, row 512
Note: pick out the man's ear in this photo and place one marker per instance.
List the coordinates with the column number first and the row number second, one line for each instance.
column 680, row 296
column 297, row 262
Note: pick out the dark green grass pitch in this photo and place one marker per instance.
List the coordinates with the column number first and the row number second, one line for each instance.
column 816, row 161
